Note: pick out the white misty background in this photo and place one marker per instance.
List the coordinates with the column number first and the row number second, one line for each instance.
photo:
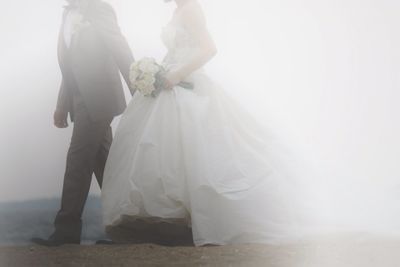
column 327, row 72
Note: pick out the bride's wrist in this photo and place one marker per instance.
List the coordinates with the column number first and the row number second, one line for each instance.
column 183, row 77
column 178, row 77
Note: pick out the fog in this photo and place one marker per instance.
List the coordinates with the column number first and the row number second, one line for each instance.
column 326, row 72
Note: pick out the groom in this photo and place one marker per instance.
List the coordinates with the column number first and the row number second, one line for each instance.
column 92, row 53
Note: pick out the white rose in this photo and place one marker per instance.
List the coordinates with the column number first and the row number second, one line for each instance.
column 145, row 86
column 134, row 67
column 149, row 65
column 141, row 86
column 149, row 78
column 134, row 73
column 149, row 90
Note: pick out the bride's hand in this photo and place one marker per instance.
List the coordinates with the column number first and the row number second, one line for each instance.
column 172, row 79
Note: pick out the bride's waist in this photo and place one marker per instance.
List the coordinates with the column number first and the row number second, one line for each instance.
column 174, row 66
column 178, row 57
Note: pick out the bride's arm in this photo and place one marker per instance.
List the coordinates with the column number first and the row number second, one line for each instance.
column 195, row 23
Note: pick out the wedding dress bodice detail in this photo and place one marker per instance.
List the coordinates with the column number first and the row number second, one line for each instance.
column 181, row 45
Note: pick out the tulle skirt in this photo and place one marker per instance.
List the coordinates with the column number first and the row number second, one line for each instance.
column 197, row 157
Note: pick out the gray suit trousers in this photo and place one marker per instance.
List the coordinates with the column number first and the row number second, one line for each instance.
column 88, row 152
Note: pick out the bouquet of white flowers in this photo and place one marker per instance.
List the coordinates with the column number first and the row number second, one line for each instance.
column 147, row 77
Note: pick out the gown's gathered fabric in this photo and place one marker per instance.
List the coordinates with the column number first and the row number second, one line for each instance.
column 197, row 156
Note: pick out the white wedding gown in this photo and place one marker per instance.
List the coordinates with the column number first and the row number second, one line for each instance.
column 197, row 156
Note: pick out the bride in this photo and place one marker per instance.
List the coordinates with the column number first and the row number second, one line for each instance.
column 196, row 158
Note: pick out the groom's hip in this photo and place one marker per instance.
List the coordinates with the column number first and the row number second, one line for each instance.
column 90, row 143
column 102, row 99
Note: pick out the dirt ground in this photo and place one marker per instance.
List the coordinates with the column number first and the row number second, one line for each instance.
column 351, row 251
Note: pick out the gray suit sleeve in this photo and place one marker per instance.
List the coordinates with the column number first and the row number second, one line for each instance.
column 64, row 98
column 105, row 22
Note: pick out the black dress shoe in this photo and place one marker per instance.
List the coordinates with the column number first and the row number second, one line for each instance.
column 53, row 242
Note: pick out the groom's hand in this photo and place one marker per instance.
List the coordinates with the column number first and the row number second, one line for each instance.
column 60, row 119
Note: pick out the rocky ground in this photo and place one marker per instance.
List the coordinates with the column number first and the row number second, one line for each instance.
column 351, row 251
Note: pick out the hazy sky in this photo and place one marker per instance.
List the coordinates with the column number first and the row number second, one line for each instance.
column 327, row 71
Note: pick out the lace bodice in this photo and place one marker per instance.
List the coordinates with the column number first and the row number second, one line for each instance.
column 181, row 45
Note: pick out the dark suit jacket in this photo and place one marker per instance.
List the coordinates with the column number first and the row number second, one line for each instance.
column 93, row 62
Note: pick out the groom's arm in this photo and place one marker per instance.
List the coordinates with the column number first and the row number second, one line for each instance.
column 105, row 22
column 62, row 108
